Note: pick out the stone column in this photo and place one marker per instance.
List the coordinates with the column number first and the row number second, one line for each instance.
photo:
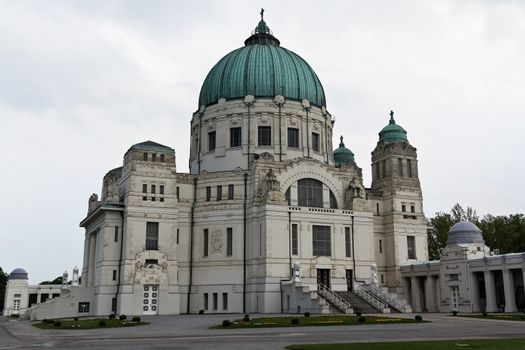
column 474, row 292
column 91, row 261
column 490, row 292
column 416, row 295
column 430, row 294
column 508, row 286
column 406, row 291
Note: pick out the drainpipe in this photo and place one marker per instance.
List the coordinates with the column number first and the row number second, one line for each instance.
column 353, row 254
column 244, row 245
column 192, row 224
column 249, row 105
column 120, row 258
column 326, row 138
column 280, row 135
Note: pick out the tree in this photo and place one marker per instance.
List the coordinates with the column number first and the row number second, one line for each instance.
column 3, row 283
column 57, row 280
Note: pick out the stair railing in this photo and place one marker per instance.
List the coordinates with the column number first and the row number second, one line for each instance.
column 334, row 299
column 372, row 299
column 385, row 297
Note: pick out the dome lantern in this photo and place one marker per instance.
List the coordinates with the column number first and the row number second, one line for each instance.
column 343, row 155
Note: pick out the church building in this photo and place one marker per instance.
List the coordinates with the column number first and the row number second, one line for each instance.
column 268, row 212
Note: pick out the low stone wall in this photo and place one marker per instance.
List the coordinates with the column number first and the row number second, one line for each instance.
column 63, row 306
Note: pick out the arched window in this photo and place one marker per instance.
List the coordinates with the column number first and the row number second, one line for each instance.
column 310, row 193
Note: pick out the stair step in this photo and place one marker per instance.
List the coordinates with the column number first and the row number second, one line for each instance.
column 358, row 303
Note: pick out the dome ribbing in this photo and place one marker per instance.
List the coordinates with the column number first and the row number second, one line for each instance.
column 262, row 68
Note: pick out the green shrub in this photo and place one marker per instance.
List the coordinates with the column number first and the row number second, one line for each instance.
column 136, row 319
column 112, row 316
column 306, row 314
column 418, row 318
column 57, row 323
column 102, row 323
column 226, row 323
column 454, row 313
column 358, row 313
column 122, row 317
column 75, row 318
column 361, row 319
column 484, row 314
column 45, row 320
column 246, row 318
column 201, row 312
column 522, row 317
column 15, row 316
column 295, row 321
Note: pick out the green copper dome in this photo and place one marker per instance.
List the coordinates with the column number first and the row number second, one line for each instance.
column 392, row 132
column 262, row 68
column 343, row 155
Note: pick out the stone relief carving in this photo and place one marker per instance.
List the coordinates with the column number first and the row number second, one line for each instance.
column 216, row 242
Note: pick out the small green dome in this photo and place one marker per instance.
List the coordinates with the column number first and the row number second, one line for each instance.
column 343, row 155
column 262, row 68
column 392, row 132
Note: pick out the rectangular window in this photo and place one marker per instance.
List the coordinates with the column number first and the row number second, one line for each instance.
column 153, row 157
column 400, row 167
column 377, row 208
column 321, row 242
column 152, row 235
column 151, row 261
column 295, row 240
column 162, row 158
column 113, row 304
column 144, row 188
column 211, row 141
column 144, row 198
column 177, row 192
column 215, row 301
column 315, row 142
column 208, row 193
column 116, row 234
column 293, row 137
column 219, row 192
column 229, row 241
column 205, row 243
column 411, row 247
column 153, row 199
column 378, row 173
column 348, row 243
column 225, row 301
column 403, row 208
column 205, row 301
column 161, row 189
column 380, row 246
column 44, row 297
column 161, row 199
column 231, row 189
column 409, row 167
column 412, row 208
column 114, row 275
column 235, row 137
column 383, row 165
column 264, row 135
column 177, row 236
column 145, row 156
column 153, row 188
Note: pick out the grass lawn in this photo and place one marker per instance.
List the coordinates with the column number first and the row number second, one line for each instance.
column 508, row 317
column 87, row 324
column 480, row 344
column 301, row 321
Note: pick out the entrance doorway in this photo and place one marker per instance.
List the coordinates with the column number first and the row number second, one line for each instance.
column 323, row 277
column 349, row 279
column 454, row 298
column 150, row 305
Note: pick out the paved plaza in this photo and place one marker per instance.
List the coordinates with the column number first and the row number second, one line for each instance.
column 192, row 332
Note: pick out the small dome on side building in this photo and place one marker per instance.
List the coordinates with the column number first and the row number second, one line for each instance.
column 343, row 155
column 464, row 232
column 18, row 274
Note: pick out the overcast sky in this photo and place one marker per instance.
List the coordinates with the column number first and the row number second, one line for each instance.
column 80, row 82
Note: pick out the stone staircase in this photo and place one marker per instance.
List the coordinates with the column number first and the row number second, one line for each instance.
column 392, row 300
column 357, row 303
column 335, row 300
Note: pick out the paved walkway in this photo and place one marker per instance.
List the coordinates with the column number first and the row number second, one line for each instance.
column 192, row 332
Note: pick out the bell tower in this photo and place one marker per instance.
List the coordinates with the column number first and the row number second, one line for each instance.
column 397, row 202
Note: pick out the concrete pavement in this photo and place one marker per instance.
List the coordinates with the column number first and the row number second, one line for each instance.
column 192, row 332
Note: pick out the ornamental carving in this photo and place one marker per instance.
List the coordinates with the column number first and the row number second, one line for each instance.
column 216, row 242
